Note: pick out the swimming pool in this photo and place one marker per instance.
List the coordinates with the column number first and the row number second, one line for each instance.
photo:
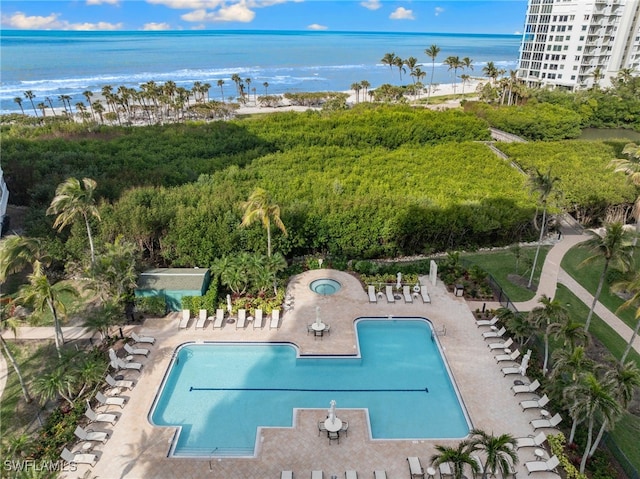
column 219, row 394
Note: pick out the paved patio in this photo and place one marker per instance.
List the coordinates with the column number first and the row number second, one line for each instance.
column 138, row 449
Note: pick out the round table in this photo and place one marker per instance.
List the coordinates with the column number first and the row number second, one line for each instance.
column 431, row 472
column 507, row 351
column 544, row 413
column 333, row 426
column 87, row 446
column 539, row 453
column 318, row 327
column 114, row 391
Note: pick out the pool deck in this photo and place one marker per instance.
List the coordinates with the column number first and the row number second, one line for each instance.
column 138, row 449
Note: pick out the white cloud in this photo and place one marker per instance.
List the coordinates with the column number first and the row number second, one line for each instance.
column 438, row 10
column 153, row 26
column 316, row 26
column 188, row 4
column 371, row 4
column 517, row 33
column 100, row 2
column 238, row 12
column 401, row 13
column 52, row 22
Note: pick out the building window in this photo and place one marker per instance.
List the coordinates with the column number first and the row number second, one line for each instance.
column 573, row 77
column 584, row 28
column 579, row 49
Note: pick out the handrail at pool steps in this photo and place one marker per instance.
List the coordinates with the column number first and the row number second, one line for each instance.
column 217, row 452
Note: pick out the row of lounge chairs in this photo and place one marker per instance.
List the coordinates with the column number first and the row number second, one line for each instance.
column 219, row 320
column 406, row 294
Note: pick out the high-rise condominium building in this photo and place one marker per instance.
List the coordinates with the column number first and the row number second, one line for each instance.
column 573, row 43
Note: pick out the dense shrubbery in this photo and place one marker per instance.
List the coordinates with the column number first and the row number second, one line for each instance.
column 534, row 121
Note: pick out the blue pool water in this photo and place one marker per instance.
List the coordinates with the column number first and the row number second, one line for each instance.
column 221, row 393
column 325, row 286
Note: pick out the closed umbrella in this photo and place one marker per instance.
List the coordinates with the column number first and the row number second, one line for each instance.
column 332, row 411
column 229, row 302
column 399, row 282
column 525, row 363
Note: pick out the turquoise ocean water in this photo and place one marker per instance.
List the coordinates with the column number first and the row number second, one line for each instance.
column 54, row 63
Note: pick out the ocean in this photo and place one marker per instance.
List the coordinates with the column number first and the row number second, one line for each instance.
column 54, row 63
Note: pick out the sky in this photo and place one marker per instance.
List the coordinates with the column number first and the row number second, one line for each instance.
column 432, row 16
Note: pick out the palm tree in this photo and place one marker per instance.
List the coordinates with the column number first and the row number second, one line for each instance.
column 75, row 199
column 465, row 78
column 57, row 382
column 260, row 207
column 570, row 332
column 411, row 63
column 467, row 63
column 518, row 324
column 454, row 62
column 631, row 286
column 266, row 87
column 18, row 100
column 613, row 244
column 12, row 325
column 42, row 295
column 30, row 95
column 490, row 70
column 545, row 187
column 235, row 78
column 399, row 62
column 500, row 452
column 42, row 106
column 432, row 52
column 389, row 59
column 88, row 94
column 365, row 85
column 544, row 317
column 18, row 252
column 458, row 457
column 356, row 87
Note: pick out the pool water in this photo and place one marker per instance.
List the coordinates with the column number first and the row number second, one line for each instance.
column 325, row 286
column 221, row 393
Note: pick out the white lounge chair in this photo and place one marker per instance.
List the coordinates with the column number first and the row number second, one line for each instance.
column 536, row 441
column 121, row 383
column 110, row 400
column 415, row 468
column 257, row 320
column 543, row 466
column 136, row 351
column 142, row 339
column 508, row 357
column 98, row 436
column 480, row 470
column 503, row 345
column 406, row 292
column 379, row 474
column 202, row 319
column 100, row 417
column 241, row 323
column 487, row 322
column 535, row 403
column 547, row 423
column 317, row 475
column 120, row 364
column 286, row 475
column 424, row 294
column 390, row 297
column 371, row 290
column 184, row 322
column 494, row 334
column 219, row 319
column 275, row 319
column 75, row 458
column 445, row 470
column 512, row 370
column 526, row 388
column 350, row 474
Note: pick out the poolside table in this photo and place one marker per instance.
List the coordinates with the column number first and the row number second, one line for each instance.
column 318, row 326
column 334, row 426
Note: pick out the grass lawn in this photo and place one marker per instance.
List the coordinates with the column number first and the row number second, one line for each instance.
column 589, row 275
column 502, row 263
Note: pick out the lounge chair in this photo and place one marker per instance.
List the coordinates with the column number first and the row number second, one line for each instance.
column 120, row 364
column 350, row 474
column 526, row 388
column 480, row 469
column 241, row 323
column 508, row 357
column 503, row 345
column 257, row 319
column 390, row 297
column 547, row 423
column 512, row 370
column 98, row 436
column 415, row 468
column 142, row 339
column 136, row 351
column 317, row 475
column 406, row 292
column 543, row 466
column 536, row 441
column 487, row 322
column 372, row 294
column 202, row 319
column 122, row 383
column 100, row 417
column 275, row 319
column 110, row 400
column 75, row 458
column 286, row 475
column 219, row 319
column 379, row 474
column 445, row 470
column 535, row 403
column 494, row 334
column 184, row 322
column 424, row 294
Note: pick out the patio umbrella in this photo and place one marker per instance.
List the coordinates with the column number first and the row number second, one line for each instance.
column 399, row 283
column 229, row 302
column 525, row 363
column 332, row 411
column 318, row 321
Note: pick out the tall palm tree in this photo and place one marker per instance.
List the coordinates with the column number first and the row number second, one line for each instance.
column 457, row 457
column 399, row 62
column 570, row 332
column 30, row 96
column 220, row 83
column 365, row 85
column 613, row 244
column 518, row 324
column 356, row 87
column 12, row 325
column 88, row 94
column 631, row 286
column 411, row 63
column 42, row 295
column 389, row 59
column 432, row 52
column 465, row 78
column 544, row 186
column 490, row 70
column 260, row 207
column 467, row 63
column 75, row 199
column 544, row 317
column 500, row 452
column 454, row 63
column 18, row 100
column 235, row 78
column 42, row 106
column 266, row 88
column 19, row 252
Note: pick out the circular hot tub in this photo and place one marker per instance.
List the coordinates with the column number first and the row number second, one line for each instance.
column 325, row 286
